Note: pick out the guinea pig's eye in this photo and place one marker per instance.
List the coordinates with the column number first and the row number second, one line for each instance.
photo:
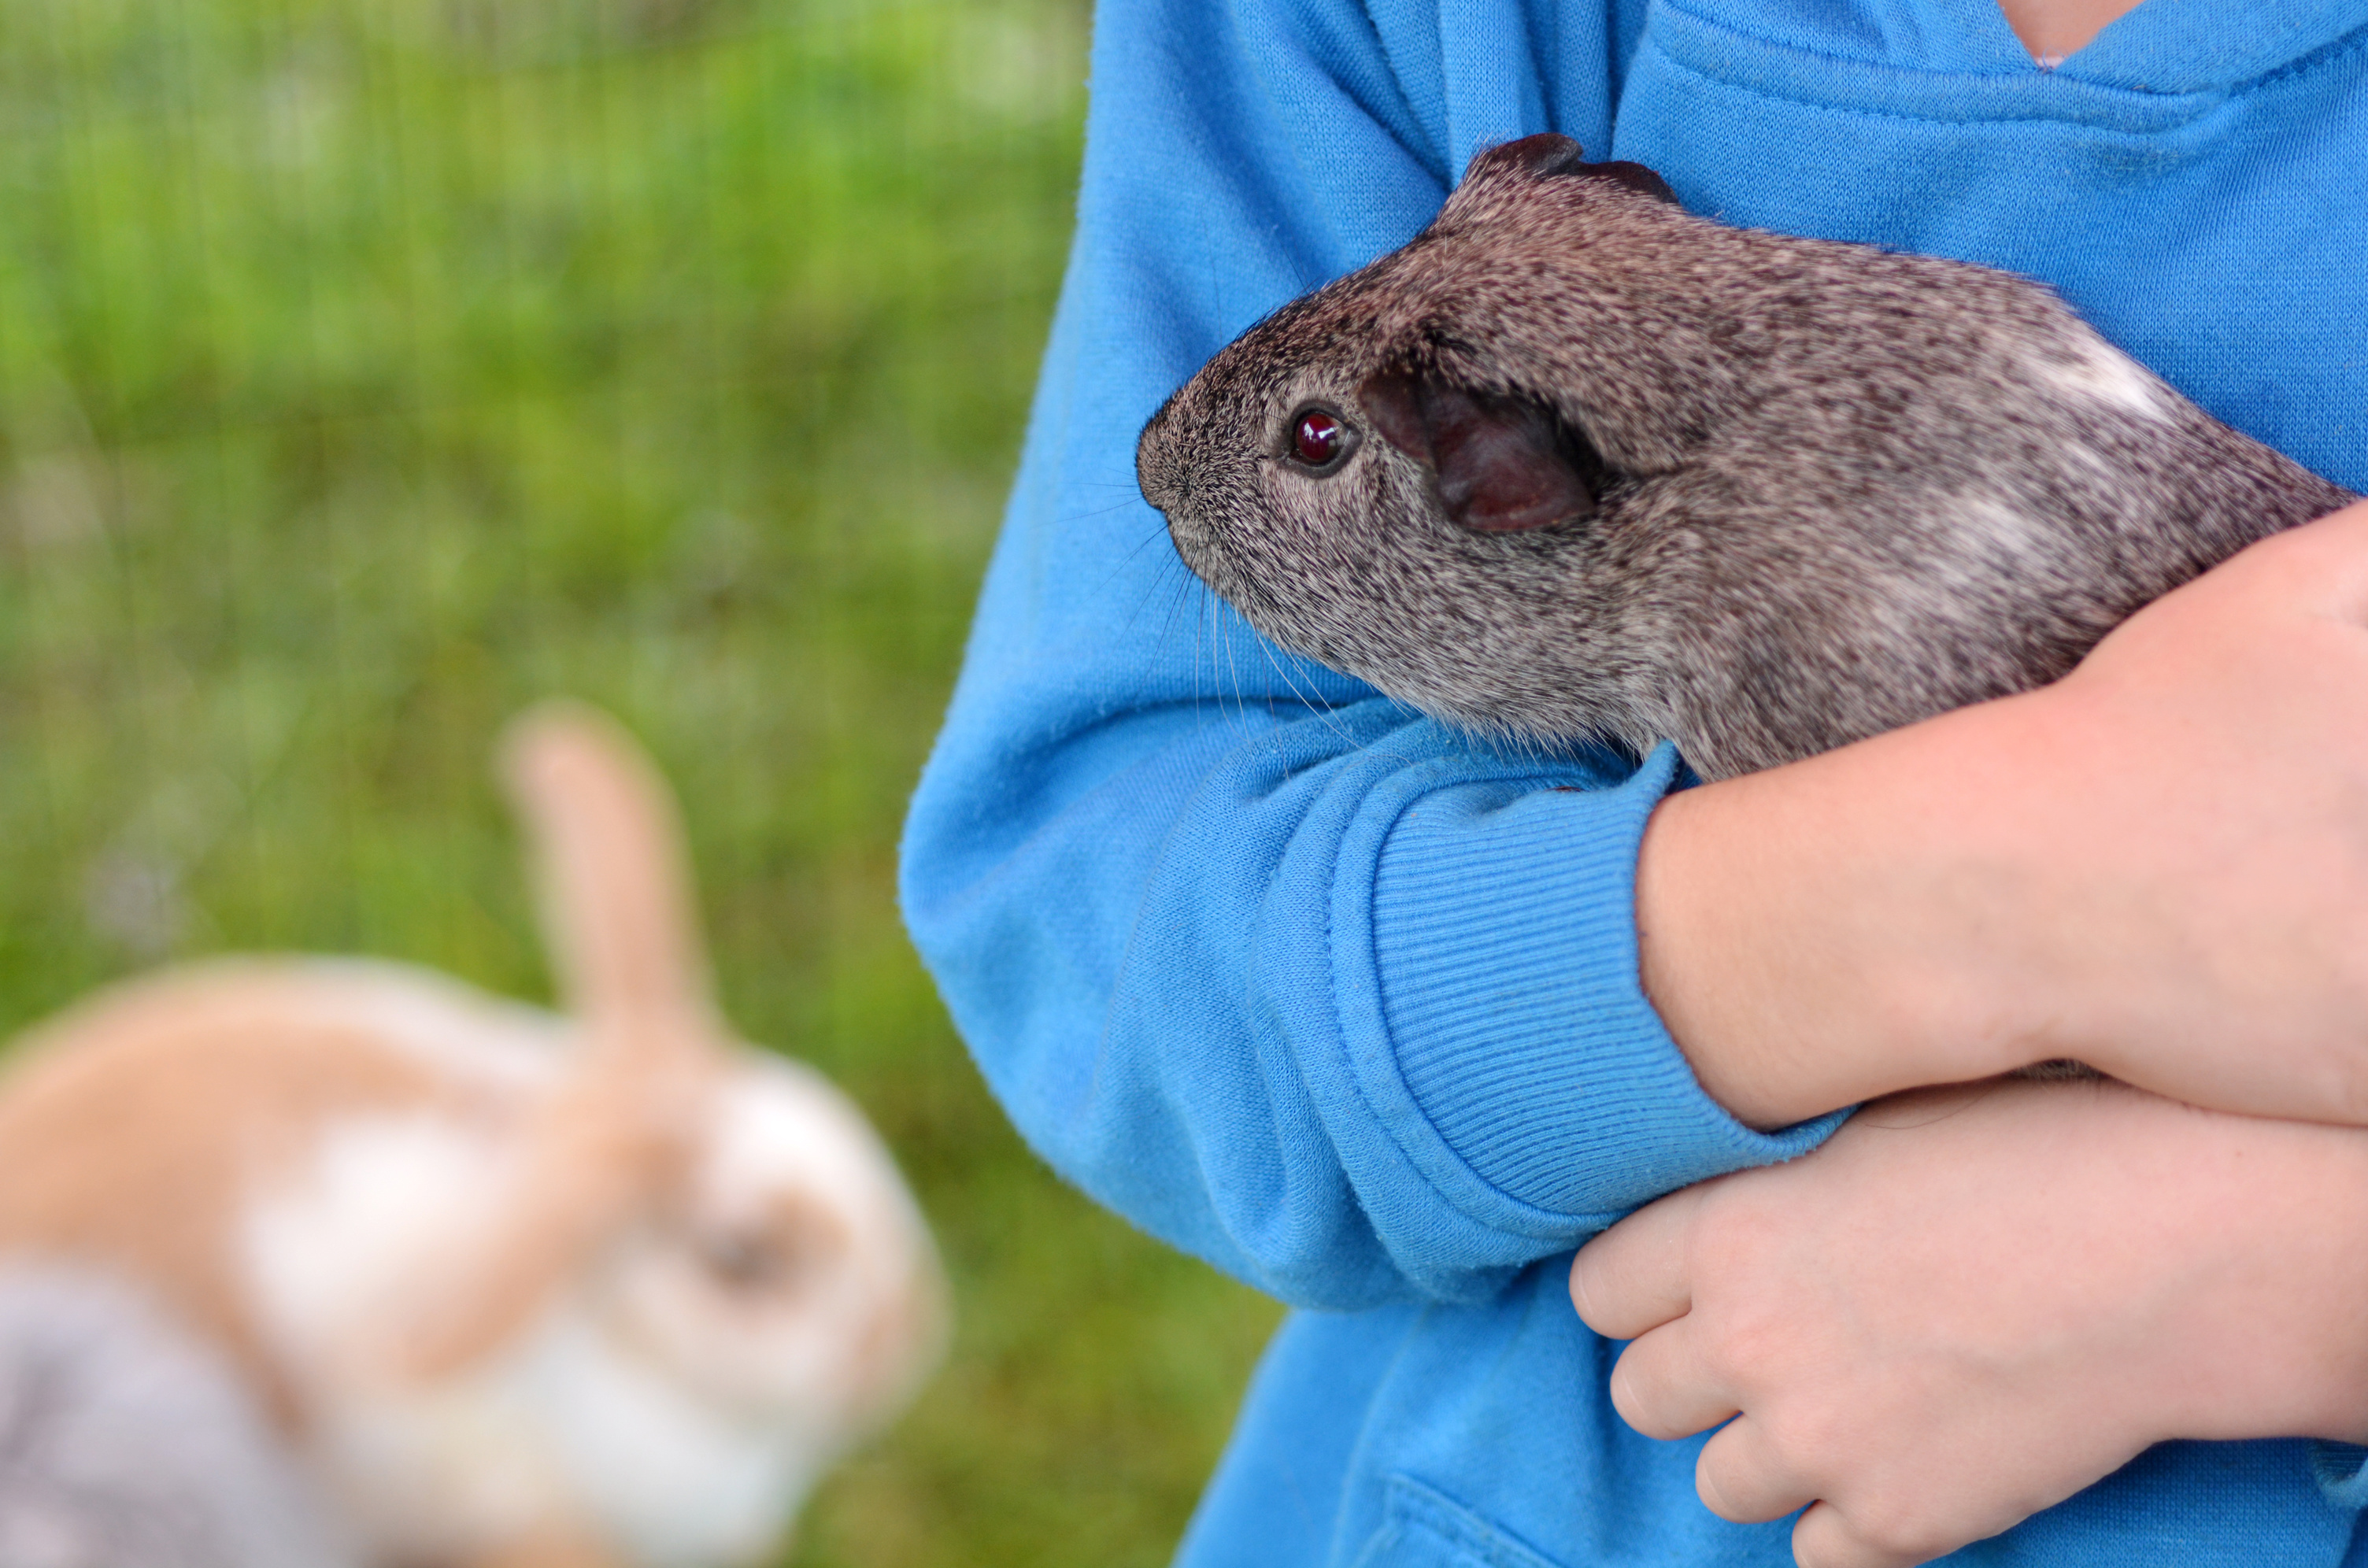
column 1321, row 439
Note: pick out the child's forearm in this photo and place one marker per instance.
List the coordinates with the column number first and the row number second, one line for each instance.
column 2156, row 865
column 1824, row 934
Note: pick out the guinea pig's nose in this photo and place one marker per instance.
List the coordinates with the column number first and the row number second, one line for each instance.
column 1166, row 483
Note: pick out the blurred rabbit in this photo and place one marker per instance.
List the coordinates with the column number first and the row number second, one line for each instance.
column 126, row 1444
column 607, row 1288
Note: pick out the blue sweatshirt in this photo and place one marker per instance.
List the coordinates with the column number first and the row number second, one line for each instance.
column 1346, row 1003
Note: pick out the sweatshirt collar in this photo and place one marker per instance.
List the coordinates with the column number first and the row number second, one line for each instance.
column 2167, row 47
column 2184, row 46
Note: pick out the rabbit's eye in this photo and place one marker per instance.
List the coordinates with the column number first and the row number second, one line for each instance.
column 748, row 1262
column 1320, row 438
column 778, row 1255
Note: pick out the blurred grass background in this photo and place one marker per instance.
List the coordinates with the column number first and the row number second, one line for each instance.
column 370, row 368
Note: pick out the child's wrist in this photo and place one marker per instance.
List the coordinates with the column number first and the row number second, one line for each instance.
column 1855, row 925
column 2267, row 1338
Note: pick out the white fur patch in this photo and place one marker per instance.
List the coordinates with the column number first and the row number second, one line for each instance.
column 677, row 1481
column 569, row 1418
column 2101, row 372
column 375, row 1203
column 1988, row 539
column 334, row 1252
column 2013, row 538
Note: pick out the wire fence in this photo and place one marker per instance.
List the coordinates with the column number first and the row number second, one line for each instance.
column 370, row 367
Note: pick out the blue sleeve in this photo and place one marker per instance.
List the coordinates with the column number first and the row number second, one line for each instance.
column 1337, row 1000
column 2341, row 1470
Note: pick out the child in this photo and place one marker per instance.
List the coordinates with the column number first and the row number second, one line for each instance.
column 1350, row 1007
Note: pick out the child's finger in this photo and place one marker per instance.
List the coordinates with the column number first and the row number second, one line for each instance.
column 1825, row 1538
column 1740, row 1477
column 1632, row 1277
column 1662, row 1387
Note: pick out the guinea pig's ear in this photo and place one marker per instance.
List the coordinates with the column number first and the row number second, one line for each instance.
column 1550, row 156
column 1505, row 464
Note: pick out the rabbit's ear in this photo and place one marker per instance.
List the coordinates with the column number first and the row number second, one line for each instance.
column 1505, row 464
column 616, row 893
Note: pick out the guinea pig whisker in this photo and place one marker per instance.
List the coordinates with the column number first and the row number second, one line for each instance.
column 1184, row 585
column 1225, row 627
column 1318, row 707
column 1180, row 587
column 1159, row 579
column 1233, row 669
column 1140, row 546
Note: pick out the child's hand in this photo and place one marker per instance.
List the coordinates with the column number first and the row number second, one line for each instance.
column 2157, row 865
column 1972, row 1303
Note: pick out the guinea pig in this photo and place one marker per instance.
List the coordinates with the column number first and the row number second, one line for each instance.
column 1574, row 465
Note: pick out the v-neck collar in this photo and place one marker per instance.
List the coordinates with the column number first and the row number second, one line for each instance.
column 2166, row 47
column 2183, row 46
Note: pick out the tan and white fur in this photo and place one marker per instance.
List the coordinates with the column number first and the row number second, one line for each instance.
column 604, row 1288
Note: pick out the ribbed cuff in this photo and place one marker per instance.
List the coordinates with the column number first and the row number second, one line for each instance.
column 2342, row 1471
column 1505, row 932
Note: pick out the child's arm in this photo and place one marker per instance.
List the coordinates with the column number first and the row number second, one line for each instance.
column 1972, row 1303
column 2157, row 865
column 1968, row 1307
column 1337, row 999
column 1341, row 1001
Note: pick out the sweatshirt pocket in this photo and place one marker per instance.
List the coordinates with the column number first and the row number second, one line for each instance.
column 1425, row 1529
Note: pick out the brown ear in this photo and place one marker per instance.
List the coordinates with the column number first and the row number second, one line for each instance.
column 1540, row 157
column 1504, row 464
column 1635, row 176
column 1551, row 157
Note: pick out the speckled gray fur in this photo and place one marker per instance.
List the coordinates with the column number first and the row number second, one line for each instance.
column 124, row 1443
column 1835, row 489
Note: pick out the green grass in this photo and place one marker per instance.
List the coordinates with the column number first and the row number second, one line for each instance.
column 370, row 368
